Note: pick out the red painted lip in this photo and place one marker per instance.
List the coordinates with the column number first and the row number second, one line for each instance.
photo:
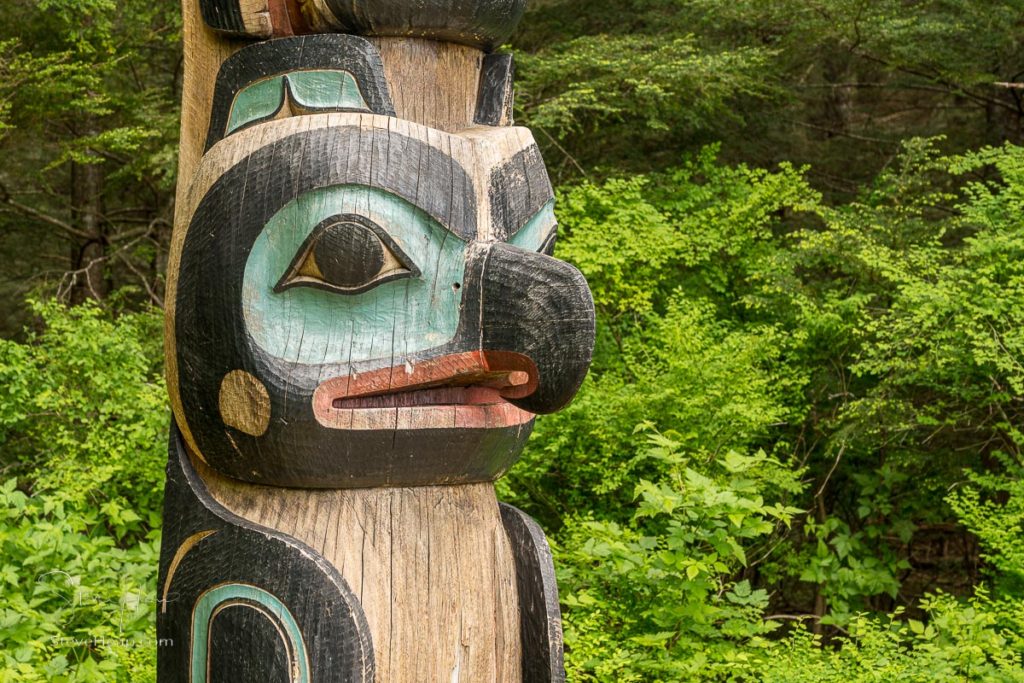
column 462, row 390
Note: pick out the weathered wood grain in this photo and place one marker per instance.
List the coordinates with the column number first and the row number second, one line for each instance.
column 433, row 83
column 432, row 567
column 558, row 314
column 483, row 24
column 540, row 616
column 519, row 188
column 495, row 92
column 203, row 52
column 212, row 336
column 254, row 18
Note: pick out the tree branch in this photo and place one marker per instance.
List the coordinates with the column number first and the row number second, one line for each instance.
column 15, row 206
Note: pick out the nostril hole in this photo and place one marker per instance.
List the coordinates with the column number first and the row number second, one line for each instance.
column 457, row 286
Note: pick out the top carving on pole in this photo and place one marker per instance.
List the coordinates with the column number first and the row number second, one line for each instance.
column 483, row 24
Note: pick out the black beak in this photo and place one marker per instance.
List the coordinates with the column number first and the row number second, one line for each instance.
column 533, row 306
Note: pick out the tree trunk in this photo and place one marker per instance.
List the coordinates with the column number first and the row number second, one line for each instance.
column 88, row 257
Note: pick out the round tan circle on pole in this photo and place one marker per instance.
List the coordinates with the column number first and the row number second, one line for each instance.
column 244, row 403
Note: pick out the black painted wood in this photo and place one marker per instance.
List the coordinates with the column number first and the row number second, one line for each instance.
column 542, row 308
column 519, row 188
column 480, row 23
column 495, row 95
column 350, row 251
column 548, row 248
column 349, row 255
column 232, row 550
column 540, row 616
column 223, row 15
column 238, row 632
column 258, row 61
column 527, row 303
column 211, row 337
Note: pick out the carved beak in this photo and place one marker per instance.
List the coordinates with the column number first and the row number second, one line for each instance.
column 534, row 306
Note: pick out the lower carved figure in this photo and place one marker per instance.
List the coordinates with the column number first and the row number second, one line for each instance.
column 240, row 602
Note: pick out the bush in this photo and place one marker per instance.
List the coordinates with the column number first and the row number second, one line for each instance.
column 83, row 422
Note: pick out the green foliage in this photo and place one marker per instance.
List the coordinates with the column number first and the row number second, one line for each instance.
column 90, row 66
column 627, row 87
column 976, row 641
column 836, row 84
column 697, row 226
column 89, row 122
column 83, row 421
column 74, row 605
column 855, row 359
column 84, row 407
column 992, row 507
column 654, row 599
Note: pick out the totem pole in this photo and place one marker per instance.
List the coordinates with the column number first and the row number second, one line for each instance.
column 363, row 319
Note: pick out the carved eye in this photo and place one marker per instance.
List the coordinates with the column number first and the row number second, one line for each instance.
column 347, row 254
column 539, row 233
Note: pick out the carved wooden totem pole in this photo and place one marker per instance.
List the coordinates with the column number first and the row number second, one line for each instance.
column 363, row 318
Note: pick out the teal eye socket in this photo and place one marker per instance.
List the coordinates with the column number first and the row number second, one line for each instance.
column 347, row 254
column 295, row 94
column 539, row 233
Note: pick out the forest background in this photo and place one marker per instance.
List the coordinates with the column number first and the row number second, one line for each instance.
column 798, row 456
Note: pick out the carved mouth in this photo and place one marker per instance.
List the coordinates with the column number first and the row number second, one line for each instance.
column 465, row 390
column 440, row 396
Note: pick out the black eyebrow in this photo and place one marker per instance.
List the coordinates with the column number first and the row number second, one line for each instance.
column 329, row 51
column 426, row 177
column 519, row 188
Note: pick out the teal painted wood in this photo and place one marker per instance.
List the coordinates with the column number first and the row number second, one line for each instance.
column 321, row 90
column 297, row 55
column 537, row 230
column 310, row 91
column 397, row 318
column 259, row 101
column 243, row 594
